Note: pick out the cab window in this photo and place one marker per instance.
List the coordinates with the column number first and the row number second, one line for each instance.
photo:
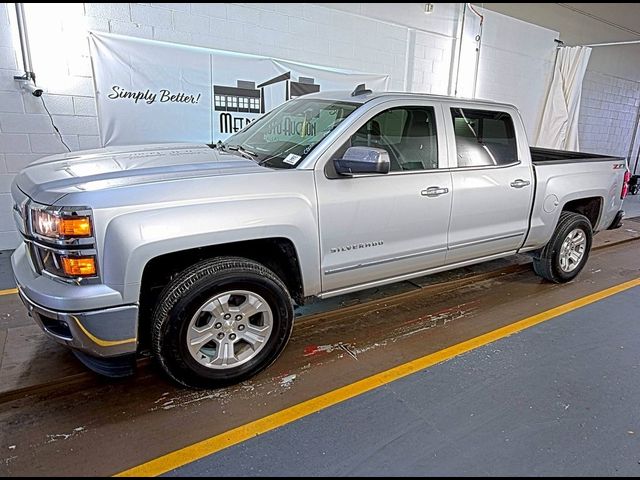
column 484, row 138
column 408, row 134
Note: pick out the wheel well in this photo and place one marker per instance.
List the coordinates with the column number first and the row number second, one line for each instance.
column 589, row 207
column 277, row 254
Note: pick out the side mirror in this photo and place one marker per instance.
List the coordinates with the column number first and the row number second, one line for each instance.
column 358, row 160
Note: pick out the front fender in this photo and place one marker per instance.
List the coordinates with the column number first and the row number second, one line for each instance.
column 133, row 239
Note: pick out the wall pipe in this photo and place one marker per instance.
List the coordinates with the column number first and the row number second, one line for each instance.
column 24, row 44
column 630, row 42
column 464, row 13
column 479, row 40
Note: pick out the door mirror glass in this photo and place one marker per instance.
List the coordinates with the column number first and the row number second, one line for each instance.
column 359, row 160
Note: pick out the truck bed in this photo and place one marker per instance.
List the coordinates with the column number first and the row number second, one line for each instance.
column 549, row 156
column 559, row 174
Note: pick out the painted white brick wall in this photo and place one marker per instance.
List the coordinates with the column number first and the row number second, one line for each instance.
column 608, row 112
column 515, row 70
column 432, row 63
column 369, row 37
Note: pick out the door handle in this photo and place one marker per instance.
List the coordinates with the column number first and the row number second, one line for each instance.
column 519, row 183
column 434, row 191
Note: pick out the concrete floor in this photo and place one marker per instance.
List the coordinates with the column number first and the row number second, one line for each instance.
column 101, row 427
column 553, row 400
column 6, row 275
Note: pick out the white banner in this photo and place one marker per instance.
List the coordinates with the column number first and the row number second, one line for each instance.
column 157, row 92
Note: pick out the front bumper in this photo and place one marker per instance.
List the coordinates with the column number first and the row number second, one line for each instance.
column 94, row 329
column 99, row 333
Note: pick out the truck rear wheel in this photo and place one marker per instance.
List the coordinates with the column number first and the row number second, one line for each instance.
column 566, row 253
column 221, row 321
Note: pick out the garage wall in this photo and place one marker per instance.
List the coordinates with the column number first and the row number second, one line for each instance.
column 611, row 87
column 429, row 39
column 614, row 72
column 516, row 64
column 396, row 39
column 610, row 100
column 608, row 113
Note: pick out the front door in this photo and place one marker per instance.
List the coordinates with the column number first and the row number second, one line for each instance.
column 378, row 227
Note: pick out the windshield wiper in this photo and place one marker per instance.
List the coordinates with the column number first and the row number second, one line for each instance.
column 239, row 148
column 262, row 162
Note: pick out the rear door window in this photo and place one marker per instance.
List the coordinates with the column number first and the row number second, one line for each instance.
column 484, row 138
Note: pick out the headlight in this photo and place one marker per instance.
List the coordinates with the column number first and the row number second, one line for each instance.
column 62, row 243
column 59, row 226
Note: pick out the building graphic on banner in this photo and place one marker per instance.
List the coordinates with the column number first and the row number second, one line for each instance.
column 242, row 98
column 246, row 98
column 293, row 89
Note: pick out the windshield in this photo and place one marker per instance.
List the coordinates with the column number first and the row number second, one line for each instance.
column 282, row 138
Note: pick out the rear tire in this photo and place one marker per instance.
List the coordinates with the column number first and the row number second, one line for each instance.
column 567, row 251
column 220, row 322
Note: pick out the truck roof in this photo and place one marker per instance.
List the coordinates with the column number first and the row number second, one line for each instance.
column 346, row 96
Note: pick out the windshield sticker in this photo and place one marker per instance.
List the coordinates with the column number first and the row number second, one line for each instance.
column 292, row 159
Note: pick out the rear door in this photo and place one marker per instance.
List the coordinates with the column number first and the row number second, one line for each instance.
column 374, row 228
column 492, row 182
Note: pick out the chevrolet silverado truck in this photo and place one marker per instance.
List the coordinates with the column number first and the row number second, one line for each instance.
column 198, row 253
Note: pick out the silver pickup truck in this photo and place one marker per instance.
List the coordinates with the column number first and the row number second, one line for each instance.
column 198, row 253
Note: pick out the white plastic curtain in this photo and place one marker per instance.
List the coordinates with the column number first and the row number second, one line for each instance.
column 559, row 123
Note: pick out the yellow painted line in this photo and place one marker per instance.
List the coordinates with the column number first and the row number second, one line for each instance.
column 212, row 445
column 9, row 291
column 99, row 341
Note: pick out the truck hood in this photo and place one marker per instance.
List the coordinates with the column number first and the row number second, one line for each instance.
column 50, row 178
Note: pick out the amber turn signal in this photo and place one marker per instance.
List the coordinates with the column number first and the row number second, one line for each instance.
column 74, row 227
column 79, row 266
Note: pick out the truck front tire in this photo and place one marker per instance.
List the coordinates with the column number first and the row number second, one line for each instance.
column 567, row 251
column 221, row 321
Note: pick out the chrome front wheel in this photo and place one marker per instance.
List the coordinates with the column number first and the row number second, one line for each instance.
column 230, row 329
column 221, row 321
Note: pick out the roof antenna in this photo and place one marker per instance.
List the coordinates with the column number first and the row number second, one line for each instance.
column 361, row 90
